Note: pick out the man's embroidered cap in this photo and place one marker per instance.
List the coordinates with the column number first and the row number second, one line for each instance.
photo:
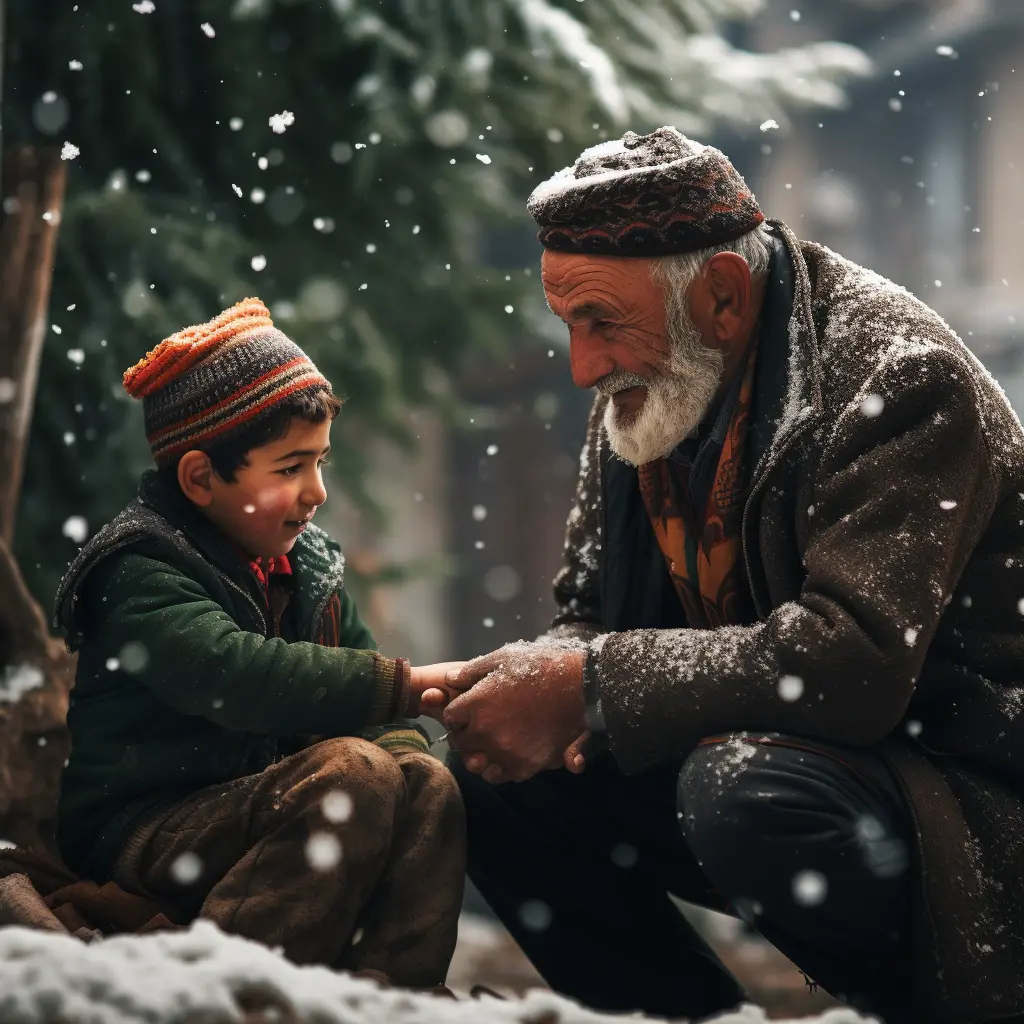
column 644, row 195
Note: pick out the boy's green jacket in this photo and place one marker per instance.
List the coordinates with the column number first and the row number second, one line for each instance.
column 178, row 685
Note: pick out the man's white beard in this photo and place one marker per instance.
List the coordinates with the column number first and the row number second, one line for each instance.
column 677, row 400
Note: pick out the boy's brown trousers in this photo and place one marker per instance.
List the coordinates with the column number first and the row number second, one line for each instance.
column 263, row 849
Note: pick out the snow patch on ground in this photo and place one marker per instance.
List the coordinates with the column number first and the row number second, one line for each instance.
column 17, row 680
column 177, row 976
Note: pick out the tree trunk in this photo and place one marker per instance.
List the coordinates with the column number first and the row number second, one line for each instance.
column 36, row 673
column 35, row 669
column 34, row 182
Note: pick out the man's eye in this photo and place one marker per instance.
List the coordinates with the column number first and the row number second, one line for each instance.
column 602, row 325
column 324, row 461
column 290, row 470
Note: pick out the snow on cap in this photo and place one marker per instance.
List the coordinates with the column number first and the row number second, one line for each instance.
column 644, row 195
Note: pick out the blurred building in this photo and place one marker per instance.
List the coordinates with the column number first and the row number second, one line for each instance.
column 918, row 178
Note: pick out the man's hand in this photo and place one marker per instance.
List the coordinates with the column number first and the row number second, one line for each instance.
column 430, row 692
column 524, row 709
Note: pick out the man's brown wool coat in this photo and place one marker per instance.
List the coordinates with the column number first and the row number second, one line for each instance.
column 883, row 540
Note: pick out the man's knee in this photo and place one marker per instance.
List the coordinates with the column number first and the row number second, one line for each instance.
column 715, row 793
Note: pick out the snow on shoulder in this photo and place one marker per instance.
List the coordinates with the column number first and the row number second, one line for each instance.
column 203, row 974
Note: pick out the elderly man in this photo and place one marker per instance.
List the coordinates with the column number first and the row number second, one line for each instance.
column 785, row 676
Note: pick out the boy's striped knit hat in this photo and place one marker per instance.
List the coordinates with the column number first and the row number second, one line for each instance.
column 208, row 382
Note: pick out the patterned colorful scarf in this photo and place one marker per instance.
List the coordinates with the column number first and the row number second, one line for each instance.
column 702, row 547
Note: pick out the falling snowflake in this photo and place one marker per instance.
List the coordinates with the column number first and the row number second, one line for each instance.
column 69, row 151
column 872, row 406
column 144, row 7
column 337, row 806
column 910, row 637
column 75, row 528
column 791, row 688
column 134, row 656
column 207, row 30
column 510, row 309
column 625, row 855
column 809, row 888
column 279, row 122
column 236, row 190
column 535, row 915
column 323, row 851
column 257, row 195
column 483, row 158
column 492, row 449
column 946, row 51
column 74, row 65
column 76, row 355
column 235, row 124
column 479, row 513
column 914, row 727
column 768, row 125
column 947, row 505
column 186, row 868
column 113, row 664
column 258, row 263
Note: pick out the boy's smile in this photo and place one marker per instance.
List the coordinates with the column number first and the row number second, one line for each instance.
column 273, row 498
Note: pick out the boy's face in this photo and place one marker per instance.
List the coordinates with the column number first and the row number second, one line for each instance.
column 272, row 498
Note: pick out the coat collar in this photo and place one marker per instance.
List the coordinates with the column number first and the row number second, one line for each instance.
column 787, row 398
column 787, row 394
column 157, row 493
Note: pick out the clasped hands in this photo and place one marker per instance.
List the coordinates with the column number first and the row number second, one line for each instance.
column 511, row 713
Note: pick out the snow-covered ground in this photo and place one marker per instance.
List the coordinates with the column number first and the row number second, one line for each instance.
column 204, row 975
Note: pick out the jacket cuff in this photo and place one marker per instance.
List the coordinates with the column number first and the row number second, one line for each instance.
column 598, row 742
column 399, row 738
column 392, row 683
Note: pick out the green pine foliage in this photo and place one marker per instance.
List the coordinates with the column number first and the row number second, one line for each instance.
column 382, row 221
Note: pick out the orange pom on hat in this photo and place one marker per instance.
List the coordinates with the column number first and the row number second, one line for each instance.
column 209, row 381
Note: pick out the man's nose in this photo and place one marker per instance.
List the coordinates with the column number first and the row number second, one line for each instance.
column 589, row 358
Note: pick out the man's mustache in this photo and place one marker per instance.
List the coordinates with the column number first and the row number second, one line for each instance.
column 620, row 380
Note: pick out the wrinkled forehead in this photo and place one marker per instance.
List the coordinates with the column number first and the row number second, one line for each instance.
column 573, row 279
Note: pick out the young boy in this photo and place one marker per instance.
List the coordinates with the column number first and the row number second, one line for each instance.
column 225, row 679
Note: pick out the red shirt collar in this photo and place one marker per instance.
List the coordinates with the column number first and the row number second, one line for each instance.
column 277, row 566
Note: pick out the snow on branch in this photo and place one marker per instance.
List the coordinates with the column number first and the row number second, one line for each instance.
column 570, row 38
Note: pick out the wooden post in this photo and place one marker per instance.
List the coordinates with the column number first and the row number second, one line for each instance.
column 33, row 190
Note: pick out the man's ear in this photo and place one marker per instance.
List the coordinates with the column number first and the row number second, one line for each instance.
column 194, row 478
column 727, row 278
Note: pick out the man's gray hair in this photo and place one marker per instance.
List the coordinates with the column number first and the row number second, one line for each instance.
column 676, row 273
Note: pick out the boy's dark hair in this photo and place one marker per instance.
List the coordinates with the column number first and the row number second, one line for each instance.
column 231, row 454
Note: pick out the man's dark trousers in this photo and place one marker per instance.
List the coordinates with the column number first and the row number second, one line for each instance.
column 809, row 843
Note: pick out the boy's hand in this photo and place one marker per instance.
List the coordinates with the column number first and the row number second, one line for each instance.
column 431, row 691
